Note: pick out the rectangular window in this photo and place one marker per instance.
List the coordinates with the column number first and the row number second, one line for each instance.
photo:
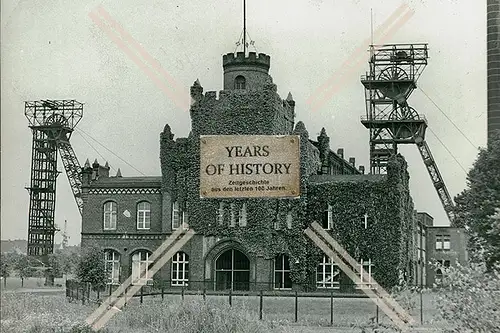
column 176, row 219
column 233, row 215
column 112, row 260
column 327, row 274
column 140, row 268
column 289, row 220
column 143, row 215
column 439, row 242
column 277, row 221
column 443, row 242
column 446, row 243
column 180, row 269
column 110, row 215
column 185, row 224
column 242, row 216
column 220, row 214
column 282, row 272
column 365, row 275
column 327, row 222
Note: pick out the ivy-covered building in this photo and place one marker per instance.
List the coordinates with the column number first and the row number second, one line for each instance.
column 251, row 244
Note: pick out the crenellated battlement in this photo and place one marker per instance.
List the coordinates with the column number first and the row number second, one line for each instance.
column 253, row 59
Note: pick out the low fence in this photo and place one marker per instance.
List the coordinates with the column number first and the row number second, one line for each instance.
column 353, row 306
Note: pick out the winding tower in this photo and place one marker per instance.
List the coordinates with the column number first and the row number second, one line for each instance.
column 52, row 123
column 394, row 71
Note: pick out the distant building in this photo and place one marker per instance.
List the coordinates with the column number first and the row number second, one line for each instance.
column 447, row 246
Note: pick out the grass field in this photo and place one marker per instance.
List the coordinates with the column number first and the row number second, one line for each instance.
column 26, row 312
column 14, row 283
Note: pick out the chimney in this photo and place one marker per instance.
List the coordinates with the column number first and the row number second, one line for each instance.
column 103, row 171
column 95, row 170
column 352, row 161
column 340, row 152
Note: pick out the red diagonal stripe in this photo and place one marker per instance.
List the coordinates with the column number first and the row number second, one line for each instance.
column 127, row 37
column 120, row 43
column 353, row 62
column 350, row 74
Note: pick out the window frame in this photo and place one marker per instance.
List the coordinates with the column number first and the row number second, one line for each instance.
column 329, row 222
column 242, row 216
column 328, row 266
column 113, row 279
column 180, row 261
column 112, row 214
column 289, row 220
column 146, row 225
column 240, row 82
column 136, row 280
column 283, row 272
column 220, row 213
column 369, row 282
column 443, row 243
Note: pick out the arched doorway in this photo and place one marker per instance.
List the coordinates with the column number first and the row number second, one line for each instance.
column 232, row 271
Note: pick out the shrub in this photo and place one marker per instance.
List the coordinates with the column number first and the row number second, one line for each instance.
column 92, row 268
column 469, row 299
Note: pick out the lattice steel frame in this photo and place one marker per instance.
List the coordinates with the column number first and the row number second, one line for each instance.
column 51, row 123
column 394, row 70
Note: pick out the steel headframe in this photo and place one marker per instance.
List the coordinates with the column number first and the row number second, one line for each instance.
column 393, row 75
column 51, row 123
column 394, row 70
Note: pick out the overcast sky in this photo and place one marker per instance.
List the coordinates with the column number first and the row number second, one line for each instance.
column 52, row 49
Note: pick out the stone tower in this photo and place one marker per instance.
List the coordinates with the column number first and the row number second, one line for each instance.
column 242, row 72
column 248, row 104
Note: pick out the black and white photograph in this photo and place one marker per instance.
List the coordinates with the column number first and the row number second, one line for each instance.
column 250, row 166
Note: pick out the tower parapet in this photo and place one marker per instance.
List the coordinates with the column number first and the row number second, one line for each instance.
column 261, row 60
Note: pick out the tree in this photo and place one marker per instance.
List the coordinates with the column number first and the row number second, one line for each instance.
column 92, row 268
column 68, row 261
column 24, row 267
column 469, row 300
column 55, row 262
column 4, row 269
column 477, row 206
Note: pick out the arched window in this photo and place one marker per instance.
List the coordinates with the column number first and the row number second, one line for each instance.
column 240, row 82
column 327, row 274
column 180, row 269
column 112, row 260
column 439, row 276
column 232, row 271
column 143, row 215
column 110, row 215
column 140, row 268
column 282, row 272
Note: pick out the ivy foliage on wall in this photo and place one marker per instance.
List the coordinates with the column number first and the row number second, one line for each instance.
column 384, row 201
column 389, row 208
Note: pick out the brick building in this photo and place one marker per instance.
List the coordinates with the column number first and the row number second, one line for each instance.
column 251, row 243
column 447, row 246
